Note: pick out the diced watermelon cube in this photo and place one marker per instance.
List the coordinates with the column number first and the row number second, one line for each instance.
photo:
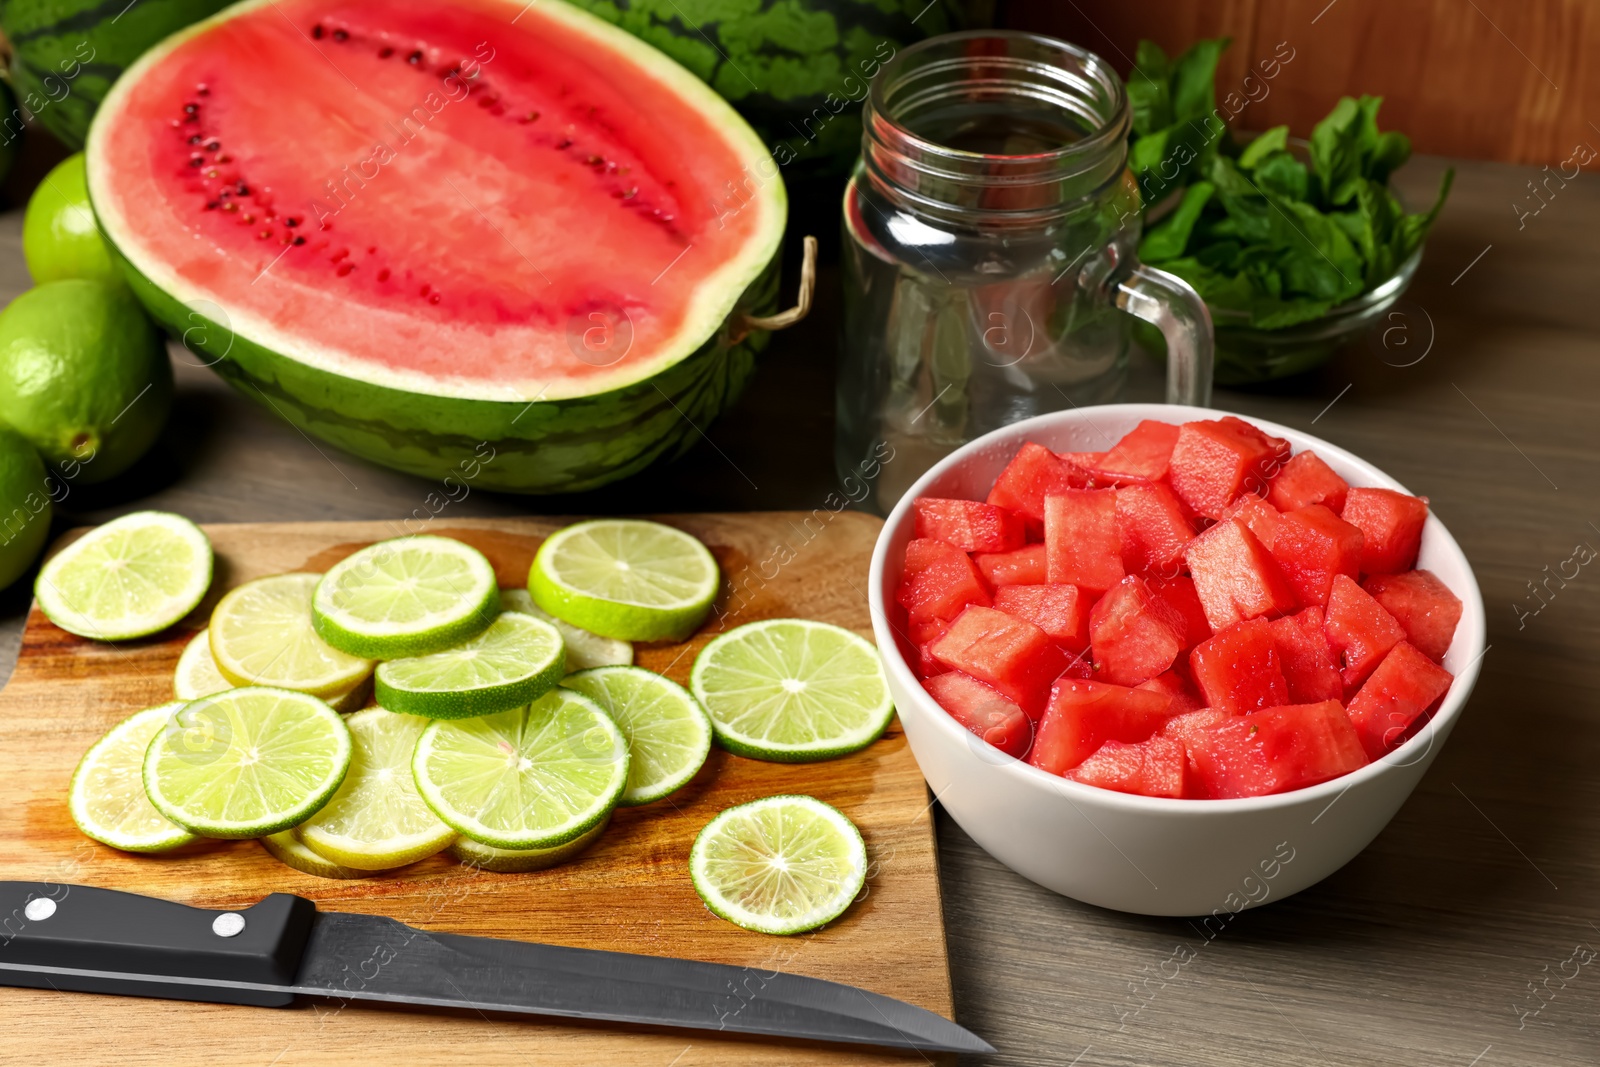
column 1360, row 631
column 1179, row 593
column 1154, row 530
column 1155, row 767
column 1271, row 751
column 983, row 710
column 1215, row 461
column 1011, row 654
column 1082, row 716
column 1082, row 546
column 1141, row 456
column 1392, row 524
column 1022, row 566
column 940, row 580
column 922, row 634
column 1258, row 516
column 1134, row 633
column 1306, row 480
column 1403, row 687
column 1235, row 577
column 1238, row 669
column 1175, row 685
column 1033, row 473
column 1083, row 462
column 1312, row 545
column 970, row 525
column 1062, row 611
column 1424, row 607
column 1308, row 662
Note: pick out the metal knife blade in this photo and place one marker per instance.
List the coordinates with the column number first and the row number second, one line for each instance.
column 108, row 941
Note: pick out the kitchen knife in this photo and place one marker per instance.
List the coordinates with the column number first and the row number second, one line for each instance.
column 68, row 937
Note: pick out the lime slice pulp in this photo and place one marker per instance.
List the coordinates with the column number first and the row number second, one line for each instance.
column 107, row 798
column 132, row 577
column 668, row 733
column 515, row 661
column 246, row 762
column 533, row 777
column 584, row 649
column 406, row 597
column 287, row 848
column 782, row 865
column 625, row 578
column 376, row 821
column 792, row 690
column 261, row 634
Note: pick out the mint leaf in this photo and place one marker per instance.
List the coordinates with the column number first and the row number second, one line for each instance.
column 1274, row 140
column 1194, row 79
column 1167, row 240
column 1148, row 94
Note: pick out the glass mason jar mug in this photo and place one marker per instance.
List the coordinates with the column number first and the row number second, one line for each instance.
column 989, row 262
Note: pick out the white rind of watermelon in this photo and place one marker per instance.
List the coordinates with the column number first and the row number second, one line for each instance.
column 579, row 426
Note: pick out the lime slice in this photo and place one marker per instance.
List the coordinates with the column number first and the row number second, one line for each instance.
column 533, row 777
column 515, row 661
column 261, row 634
column 247, row 762
column 792, row 690
column 513, row 860
column 376, row 820
column 287, row 848
column 197, row 675
column 625, row 578
column 132, row 577
column 783, row 865
column 669, row 736
column 406, row 597
column 107, row 798
column 584, row 649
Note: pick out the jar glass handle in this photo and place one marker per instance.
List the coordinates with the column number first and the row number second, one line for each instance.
column 1172, row 306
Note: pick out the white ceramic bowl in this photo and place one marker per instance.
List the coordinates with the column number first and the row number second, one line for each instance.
column 1152, row 855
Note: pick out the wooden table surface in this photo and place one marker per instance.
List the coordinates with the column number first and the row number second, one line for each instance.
column 1466, row 935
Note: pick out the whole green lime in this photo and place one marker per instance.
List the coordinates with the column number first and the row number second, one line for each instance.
column 84, row 376
column 60, row 237
column 24, row 506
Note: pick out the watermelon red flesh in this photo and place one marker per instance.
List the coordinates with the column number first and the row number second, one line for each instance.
column 1235, row 577
column 1270, row 751
column 1011, row 654
column 969, row 525
column 1180, row 595
column 1034, row 473
column 1174, row 685
column 1391, row 523
column 1309, row 665
column 419, row 289
column 1141, row 456
column 1154, row 768
column 1082, row 716
column 1239, row 669
column 1306, row 480
column 1312, row 545
column 1258, row 516
column 1025, row 566
column 1082, row 545
column 1134, row 633
column 1403, row 687
column 1062, row 611
column 940, row 580
column 1213, row 462
column 1423, row 606
column 983, row 711
column 1154, row 530
column 1359, row 630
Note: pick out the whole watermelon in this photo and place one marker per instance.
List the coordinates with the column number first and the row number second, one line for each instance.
column 796, row 69
column 66, row 53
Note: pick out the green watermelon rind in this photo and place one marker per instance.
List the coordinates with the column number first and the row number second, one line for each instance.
column 521, row 444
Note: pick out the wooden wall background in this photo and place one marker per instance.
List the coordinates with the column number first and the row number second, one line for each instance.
column 1511, row 80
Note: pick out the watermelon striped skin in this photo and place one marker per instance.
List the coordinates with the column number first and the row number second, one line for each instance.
column 66, row 53
column 554, row 446
column 796, row 69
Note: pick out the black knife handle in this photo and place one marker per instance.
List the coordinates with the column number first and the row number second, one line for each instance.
column 56, row 936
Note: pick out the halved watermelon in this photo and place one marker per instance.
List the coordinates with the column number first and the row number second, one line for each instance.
column 505, row 242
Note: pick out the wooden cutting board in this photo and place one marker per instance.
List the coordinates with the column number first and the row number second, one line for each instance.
column 630, row 892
